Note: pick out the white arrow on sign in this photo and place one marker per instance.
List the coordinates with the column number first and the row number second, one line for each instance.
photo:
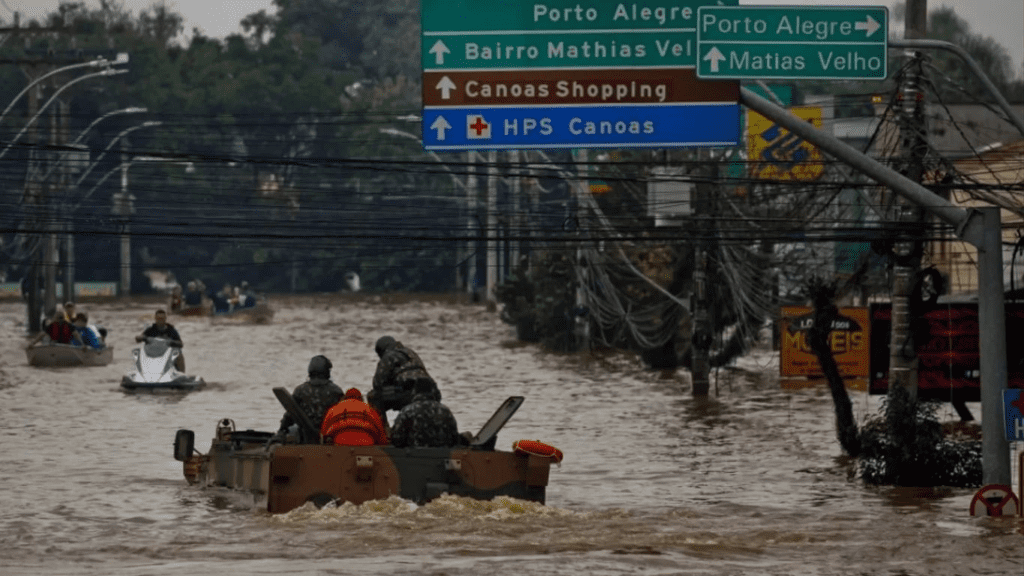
column 715, row 56
column 445, row 86
column 440, row 125
column 870, row 25
column 439, row 50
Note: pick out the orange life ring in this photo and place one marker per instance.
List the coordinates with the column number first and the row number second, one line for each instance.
column 537, row 448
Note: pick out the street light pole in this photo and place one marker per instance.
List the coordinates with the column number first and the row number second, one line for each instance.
column 121, row 59
column 470, row 188
column 105, row 72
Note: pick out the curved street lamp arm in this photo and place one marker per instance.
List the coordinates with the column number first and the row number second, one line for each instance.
column 105, row 72
column 92, row 63
column 113, row 141
column 64, row 155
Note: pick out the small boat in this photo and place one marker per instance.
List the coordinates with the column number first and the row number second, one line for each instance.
column 257, row 312
column 284, row 476
column 153, row 369
column 62, row 355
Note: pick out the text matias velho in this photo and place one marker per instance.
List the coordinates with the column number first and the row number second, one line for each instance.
column 670, row 16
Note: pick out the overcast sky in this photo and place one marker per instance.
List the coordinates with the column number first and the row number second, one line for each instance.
column 1003, row 20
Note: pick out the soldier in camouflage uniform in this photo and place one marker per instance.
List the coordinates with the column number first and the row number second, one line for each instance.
column 398, row 371
column 425, row 422
column 314, row 396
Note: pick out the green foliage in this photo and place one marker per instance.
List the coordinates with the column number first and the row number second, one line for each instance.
column 540, row 301
column 905, row 446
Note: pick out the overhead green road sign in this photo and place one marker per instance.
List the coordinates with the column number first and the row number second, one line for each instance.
column 544, row 34
column 555, row 15
column 766, row 42
column 653, row 49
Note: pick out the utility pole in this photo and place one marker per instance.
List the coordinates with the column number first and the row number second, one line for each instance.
column 700, row 343
column 492, row 223
column 471, row 223
column 581, row 320
column 123, row 207
column 34, row 197
column 907, row 251
column 515, row 220
column 63, row 132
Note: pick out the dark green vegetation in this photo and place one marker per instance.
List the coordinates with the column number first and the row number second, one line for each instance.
column 906, row 445
column 269, row 164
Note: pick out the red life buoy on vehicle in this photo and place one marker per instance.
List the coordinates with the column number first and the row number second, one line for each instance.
column 537, row 448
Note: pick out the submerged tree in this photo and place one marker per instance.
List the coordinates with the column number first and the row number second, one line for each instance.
column 905, row 444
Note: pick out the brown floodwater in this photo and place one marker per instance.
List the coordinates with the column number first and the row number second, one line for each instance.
column 748, row 481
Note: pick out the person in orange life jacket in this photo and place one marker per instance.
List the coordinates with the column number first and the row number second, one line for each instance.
column 59, row 330
column 353, row 422
column 161, row 329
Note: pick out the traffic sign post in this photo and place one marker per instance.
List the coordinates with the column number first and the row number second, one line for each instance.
column 569, row 74
column 994, row 500
column 773, row 42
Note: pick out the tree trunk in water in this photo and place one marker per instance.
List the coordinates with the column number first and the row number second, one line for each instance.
column 846, row 427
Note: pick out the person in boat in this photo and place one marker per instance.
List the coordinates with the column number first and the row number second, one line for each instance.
column 177, row 299
column 69, row 312
column 425, row 422
column 222, row 300
column 353, row 422
column 161, row 329
column 58, row 330
column 193, row 296
column 398, row 371
column 87, row 333
column 314, row 396
column 246, row 297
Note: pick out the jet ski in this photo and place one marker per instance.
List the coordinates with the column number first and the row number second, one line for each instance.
column 153, row 369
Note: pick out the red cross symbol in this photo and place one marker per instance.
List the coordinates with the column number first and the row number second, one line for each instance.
column 479, row 125
column 1019, row 403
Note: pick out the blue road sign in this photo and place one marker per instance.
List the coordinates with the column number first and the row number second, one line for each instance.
column 1013, row 408
column 661, row 126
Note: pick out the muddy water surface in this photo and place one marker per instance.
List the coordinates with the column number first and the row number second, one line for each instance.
column 751, row 481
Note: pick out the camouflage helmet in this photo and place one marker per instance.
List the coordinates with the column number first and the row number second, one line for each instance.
column 383, row 343
column 319, row 366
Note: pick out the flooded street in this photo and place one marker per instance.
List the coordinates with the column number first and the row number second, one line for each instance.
column 751, row 481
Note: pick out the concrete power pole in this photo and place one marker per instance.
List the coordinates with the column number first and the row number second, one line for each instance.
column 492, row 224
column 914, row 147
column 34, row 197
column 471, row 223
column 700, row 343
column 63, row 132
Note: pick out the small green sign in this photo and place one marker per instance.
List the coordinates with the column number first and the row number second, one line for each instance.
column 770, row 42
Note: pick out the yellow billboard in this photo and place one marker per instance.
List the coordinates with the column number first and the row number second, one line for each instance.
column 850, row 341
column 777, row 154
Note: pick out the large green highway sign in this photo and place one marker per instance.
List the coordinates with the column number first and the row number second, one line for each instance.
column 769, row 42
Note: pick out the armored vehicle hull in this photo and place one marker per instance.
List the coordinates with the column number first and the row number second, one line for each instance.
column 282, row 477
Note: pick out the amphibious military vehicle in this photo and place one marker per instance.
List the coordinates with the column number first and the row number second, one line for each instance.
column 286, row 476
